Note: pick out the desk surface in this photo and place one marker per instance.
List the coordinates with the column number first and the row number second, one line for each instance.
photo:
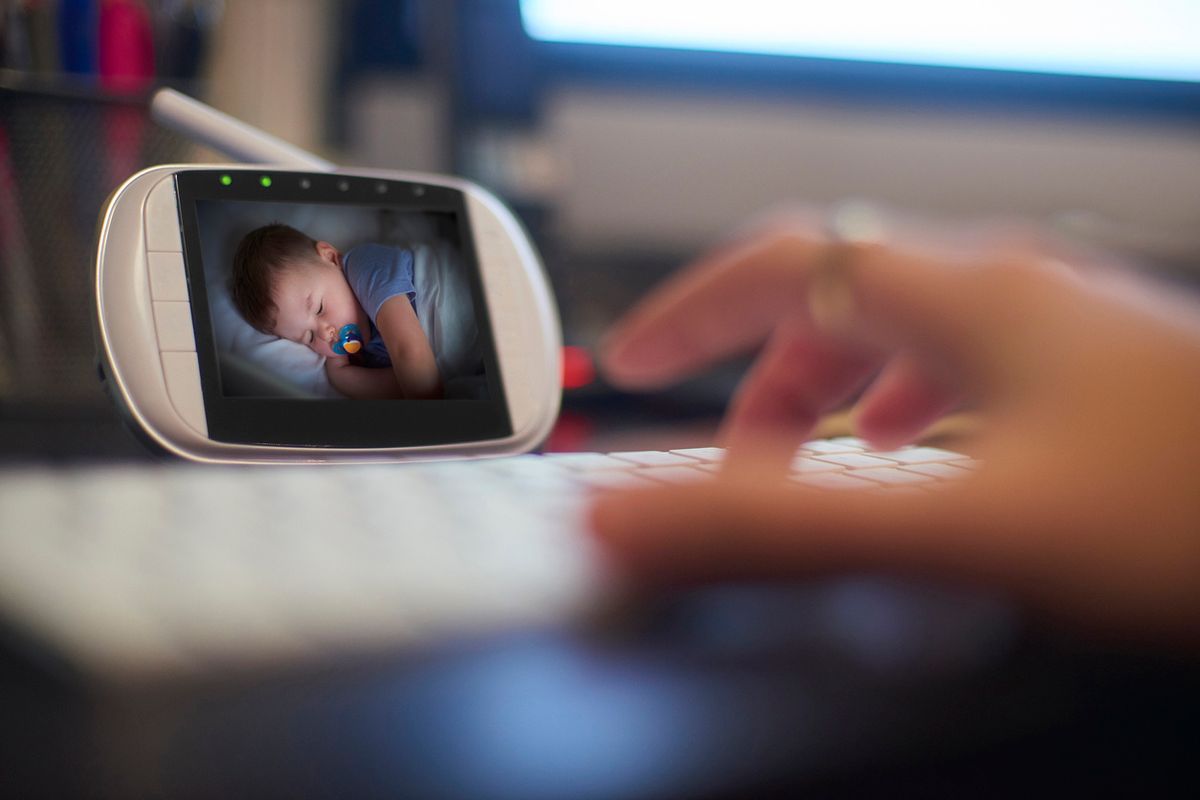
column 660, row 713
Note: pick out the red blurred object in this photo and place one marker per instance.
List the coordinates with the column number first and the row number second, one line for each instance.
column 572, row 433
column 578, row 369
column 126, row 45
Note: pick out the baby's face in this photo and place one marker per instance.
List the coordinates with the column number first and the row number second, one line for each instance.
column 315, row 301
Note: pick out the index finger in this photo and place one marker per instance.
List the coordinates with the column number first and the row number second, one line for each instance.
column 718, row 307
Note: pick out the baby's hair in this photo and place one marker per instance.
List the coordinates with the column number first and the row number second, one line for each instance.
column 261, row 255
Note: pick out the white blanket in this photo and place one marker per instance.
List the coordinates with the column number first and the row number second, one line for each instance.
column 445, row 309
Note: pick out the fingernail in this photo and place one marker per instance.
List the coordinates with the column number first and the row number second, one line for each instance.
column 616, row 345
column 639, row 358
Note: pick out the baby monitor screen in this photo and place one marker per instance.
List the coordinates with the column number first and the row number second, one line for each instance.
column 340, row 311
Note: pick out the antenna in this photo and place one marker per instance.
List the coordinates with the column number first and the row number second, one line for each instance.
column 204, row 124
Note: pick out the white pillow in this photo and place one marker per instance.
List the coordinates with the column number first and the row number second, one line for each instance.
column 283, row 360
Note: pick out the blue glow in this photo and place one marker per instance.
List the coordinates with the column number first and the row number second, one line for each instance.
column 1155, row 39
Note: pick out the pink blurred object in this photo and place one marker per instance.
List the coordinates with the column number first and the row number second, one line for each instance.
column 126, row 65
column 126, row 45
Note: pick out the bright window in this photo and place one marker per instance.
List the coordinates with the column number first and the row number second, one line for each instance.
column 1157, row 39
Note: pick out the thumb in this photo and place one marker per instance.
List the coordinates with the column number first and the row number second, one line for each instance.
column 733, row 528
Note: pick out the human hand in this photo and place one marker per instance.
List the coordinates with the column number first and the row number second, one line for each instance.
column 1088, row 504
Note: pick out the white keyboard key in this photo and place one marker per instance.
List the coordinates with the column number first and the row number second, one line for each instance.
column 614, row 479
column 502, row 463
column 938, row 470
column 822, row 446
column 676, row 475
column 217, row 612
column 808, row 464
column 920, row 455
column 855, row 460
column 585, row 461
column 708, row 454
column 112, row 627
column 33, row 503
column 519, row 465
column 653, row 458
column 550, row 476
column 892, row 476
column 834, row 480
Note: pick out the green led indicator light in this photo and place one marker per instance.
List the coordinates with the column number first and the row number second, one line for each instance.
column 226, row 180
column 265, row 180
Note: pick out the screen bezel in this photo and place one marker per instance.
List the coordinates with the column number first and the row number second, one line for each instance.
column 335, row 423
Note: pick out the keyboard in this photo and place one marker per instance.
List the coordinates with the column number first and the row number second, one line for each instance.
column 128, row 572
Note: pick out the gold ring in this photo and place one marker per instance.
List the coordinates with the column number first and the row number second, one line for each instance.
column 850, row 226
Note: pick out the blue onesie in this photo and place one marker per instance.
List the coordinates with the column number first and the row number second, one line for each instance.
column 377, row 273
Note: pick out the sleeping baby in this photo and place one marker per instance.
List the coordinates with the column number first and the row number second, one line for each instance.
column 358, row 309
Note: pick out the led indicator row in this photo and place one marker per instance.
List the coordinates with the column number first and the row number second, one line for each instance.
column 343, row 185
column 263, row 180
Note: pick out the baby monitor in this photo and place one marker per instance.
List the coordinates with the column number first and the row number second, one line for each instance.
column 198, row 380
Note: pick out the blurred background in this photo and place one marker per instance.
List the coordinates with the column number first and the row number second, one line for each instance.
column 628, row 136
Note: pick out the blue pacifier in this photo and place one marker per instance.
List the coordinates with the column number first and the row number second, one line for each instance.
column 349, row 340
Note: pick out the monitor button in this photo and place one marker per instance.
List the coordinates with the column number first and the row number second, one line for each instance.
column 168, row 280
column 162, row 218
column 182, row 372
column 173, row 321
